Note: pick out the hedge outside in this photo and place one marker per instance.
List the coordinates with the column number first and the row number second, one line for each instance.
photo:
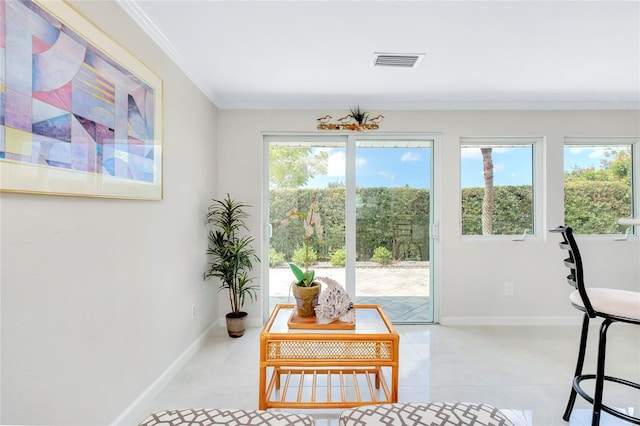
column 398, row 218
column 394, row 218
column 594, row 207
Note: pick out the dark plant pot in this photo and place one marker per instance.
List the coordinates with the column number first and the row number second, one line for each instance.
column 236, row 323
column 306, row 299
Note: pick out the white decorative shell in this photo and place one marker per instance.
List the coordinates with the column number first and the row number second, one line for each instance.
column 334, row 303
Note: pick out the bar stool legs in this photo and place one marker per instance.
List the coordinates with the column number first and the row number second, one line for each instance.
column 600, row 378
column 602, row 351
column 581, row 354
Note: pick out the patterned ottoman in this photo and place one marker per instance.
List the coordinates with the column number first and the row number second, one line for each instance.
column 210, row 417
column 429, row 414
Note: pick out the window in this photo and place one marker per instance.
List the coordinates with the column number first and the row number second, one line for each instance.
column 598, row 184
column 497, row 181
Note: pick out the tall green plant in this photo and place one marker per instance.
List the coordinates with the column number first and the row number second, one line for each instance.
column 231, row 255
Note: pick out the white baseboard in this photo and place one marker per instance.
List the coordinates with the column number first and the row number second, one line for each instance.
column 128, row 416
column 517, row 321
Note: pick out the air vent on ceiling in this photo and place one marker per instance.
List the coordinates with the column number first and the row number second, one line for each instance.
column 402, row 60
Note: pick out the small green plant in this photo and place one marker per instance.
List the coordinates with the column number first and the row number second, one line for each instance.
column 301, row 256
column 275, row 257
column 339, row 257
column 382, row 255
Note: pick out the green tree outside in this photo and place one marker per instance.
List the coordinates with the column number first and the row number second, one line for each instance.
column 292, row 167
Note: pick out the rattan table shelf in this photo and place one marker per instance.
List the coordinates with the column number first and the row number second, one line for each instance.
column 318, row 368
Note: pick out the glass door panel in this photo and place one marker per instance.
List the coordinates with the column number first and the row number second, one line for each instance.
column 305, row 172
column 393, row 218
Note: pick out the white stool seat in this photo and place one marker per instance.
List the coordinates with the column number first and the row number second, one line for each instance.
column 610, row 302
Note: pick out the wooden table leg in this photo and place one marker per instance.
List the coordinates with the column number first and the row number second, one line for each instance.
column 262, row 389
column 394, row 383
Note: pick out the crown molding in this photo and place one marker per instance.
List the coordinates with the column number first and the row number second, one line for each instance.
column 136, row 13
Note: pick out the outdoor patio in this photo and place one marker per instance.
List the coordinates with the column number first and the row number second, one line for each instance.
column 402, row 288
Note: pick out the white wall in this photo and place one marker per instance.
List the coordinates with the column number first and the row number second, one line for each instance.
column 97, row 293
column 471, row 275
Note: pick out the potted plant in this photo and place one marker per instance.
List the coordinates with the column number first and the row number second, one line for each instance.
column 305, row 289
column 231, row 257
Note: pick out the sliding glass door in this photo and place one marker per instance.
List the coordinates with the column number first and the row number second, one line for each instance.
column 373, row 198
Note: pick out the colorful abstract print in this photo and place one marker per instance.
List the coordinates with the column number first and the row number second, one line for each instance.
column 67, row 105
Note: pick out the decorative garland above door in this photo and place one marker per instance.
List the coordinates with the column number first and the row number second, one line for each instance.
column 362, row 121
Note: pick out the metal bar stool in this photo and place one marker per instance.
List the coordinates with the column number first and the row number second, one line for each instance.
column 612, row 306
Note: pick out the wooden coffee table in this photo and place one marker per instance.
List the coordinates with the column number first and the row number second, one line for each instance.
column 327, row 368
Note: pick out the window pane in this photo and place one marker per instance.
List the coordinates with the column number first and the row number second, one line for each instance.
column 597, row 187
column 393, row 186
column 302, row 174
column 497, row 189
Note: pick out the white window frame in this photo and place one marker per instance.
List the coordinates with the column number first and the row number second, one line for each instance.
column 538, row 146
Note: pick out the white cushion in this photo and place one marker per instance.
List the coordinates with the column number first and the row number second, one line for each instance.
column 210, row 417
column 608, row 301
column 425, row 414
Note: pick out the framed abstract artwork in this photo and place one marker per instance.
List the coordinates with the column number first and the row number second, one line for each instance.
column 79, row 115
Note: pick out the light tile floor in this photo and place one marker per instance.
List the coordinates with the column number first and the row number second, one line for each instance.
column 524, row 370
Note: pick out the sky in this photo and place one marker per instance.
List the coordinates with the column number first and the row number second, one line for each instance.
column 385, row 167
column 511, row 166
column 397, row 167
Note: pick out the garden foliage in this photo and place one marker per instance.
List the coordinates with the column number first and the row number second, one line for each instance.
column 398, row 218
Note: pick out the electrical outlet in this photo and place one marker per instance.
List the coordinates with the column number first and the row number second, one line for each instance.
column 193, row 311
column 509, row 289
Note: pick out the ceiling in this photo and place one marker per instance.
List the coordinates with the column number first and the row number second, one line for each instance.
column 478, row 54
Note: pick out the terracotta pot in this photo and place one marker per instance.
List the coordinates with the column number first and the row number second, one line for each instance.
column 306, row 299
column 236, row 323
